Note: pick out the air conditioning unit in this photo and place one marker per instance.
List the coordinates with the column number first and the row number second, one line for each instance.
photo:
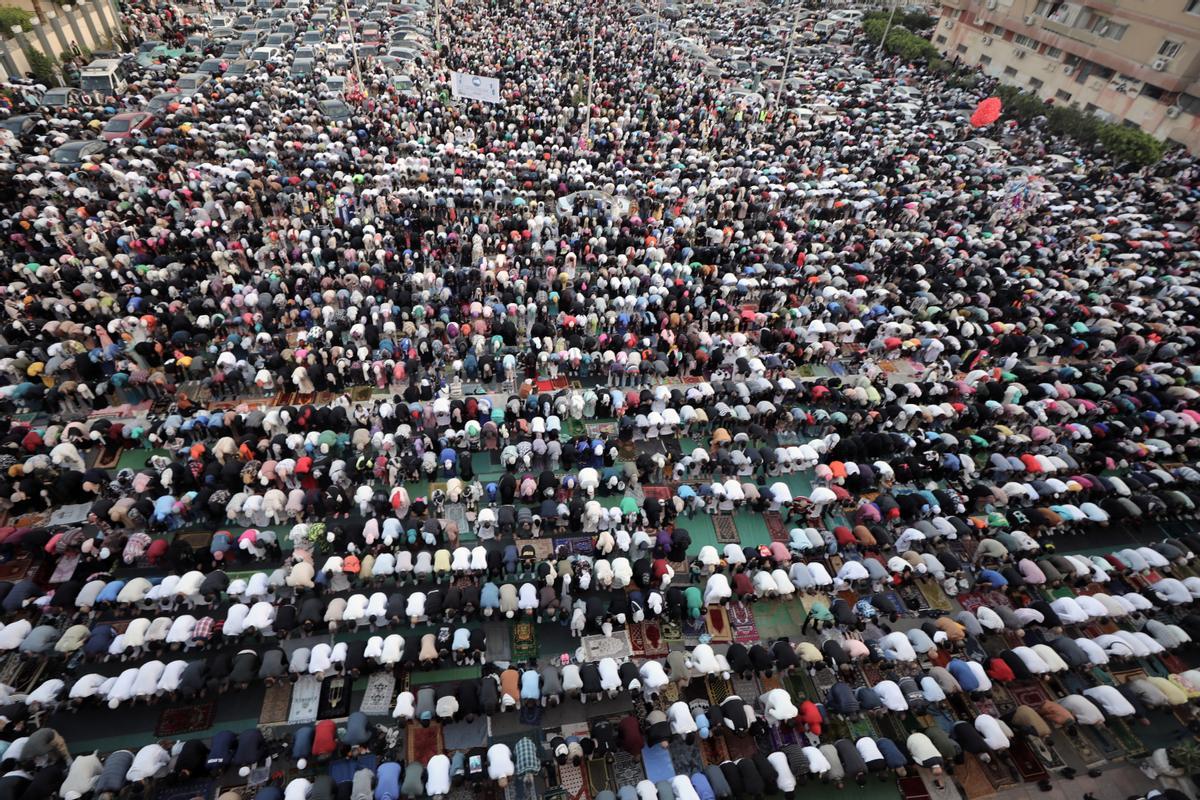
column 1030, row 19
column 949, row 24
column 1160, row 64
column 1174, row 111
column 991, row 5
column 987, row 39
column 1068, row 69
column 1019, row 52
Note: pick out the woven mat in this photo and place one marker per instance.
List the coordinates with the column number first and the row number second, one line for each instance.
column 185, row 719
column 934, row 595
column 741, row 619
column 524, row 641
column 726, row 530
column 277, row 701
column 713, row 750
column 647, row 640
column 305, row 700
column 377, row 698
column 775, row 527
column 1028, row 764
column 974, row 780
column 423, row 743
column 719, row 628
column 627, row 769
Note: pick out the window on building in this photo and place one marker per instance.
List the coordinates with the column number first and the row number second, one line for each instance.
column 962, row 48
column 1086, row 19
column 1026, row 41
column 1152, row 91
column 985, row 60
column 1010, row 72
column 1054, row 52
column 1062, row 96
column 1115, row 31
column 1045, row 8
column 1036, row 84
column 997, row 30
column 1170, row 48
column 1091, row 108
column 1193, row 7
column 1101, row 71
column 1189, row 103
column 941, row 39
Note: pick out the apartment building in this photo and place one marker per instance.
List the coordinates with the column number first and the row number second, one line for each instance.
column 1135, row 62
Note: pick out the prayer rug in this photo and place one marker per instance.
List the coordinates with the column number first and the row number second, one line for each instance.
column 973, row 779
column 570, row 777
column 276, row 702
column 717, row 619
column 686, row 757
column 775, row 526
column 713, row 750
column 741, row 618
column 335, row 698
column 187, row 791
column 598, row 777
column 524, row 641
column 656, row 493
column 423, row 743
column 718, row 689
column 575, row 546
column 377, row 698
column 457, row 513
column 1046, row 753
column 726, row 530
column 693, row 629
column 913, row 788
column 306, row 699
column 1027, row 762
column 934, row 595
column 185, row 719
column 672, row 631
column 746, row 688
column 657, row 760
column 65, row 568
column 998, row 773
column 1126, row 739
column 740, row 746
column 464, row 735
column 627, row 769
column 598, row 647
column 646, row 640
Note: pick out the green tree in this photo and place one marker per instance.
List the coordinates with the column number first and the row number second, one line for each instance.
column 1127, row 145
column 42, row 66
column 11, row 15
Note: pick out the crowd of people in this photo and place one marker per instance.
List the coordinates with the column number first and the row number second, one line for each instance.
column 970, row 351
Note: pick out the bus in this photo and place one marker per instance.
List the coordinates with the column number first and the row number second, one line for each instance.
column 105, row 76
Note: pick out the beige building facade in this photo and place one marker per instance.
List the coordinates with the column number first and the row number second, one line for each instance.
column 1135, row 62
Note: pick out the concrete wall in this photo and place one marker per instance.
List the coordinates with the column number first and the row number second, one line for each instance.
column 90, row 23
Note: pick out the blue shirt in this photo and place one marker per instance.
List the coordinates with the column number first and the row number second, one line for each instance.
column 993, row 577
column 963, row 674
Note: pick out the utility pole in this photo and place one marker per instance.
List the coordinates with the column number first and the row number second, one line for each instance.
column 787, row 61
column 887, row 29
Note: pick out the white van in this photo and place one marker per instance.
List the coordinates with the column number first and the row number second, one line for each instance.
column 825, row 27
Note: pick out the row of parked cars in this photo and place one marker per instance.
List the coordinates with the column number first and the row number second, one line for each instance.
column 321, row 45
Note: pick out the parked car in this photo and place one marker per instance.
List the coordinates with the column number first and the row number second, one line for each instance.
column 63, row 97
column 126, row 125
column 76, row 151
